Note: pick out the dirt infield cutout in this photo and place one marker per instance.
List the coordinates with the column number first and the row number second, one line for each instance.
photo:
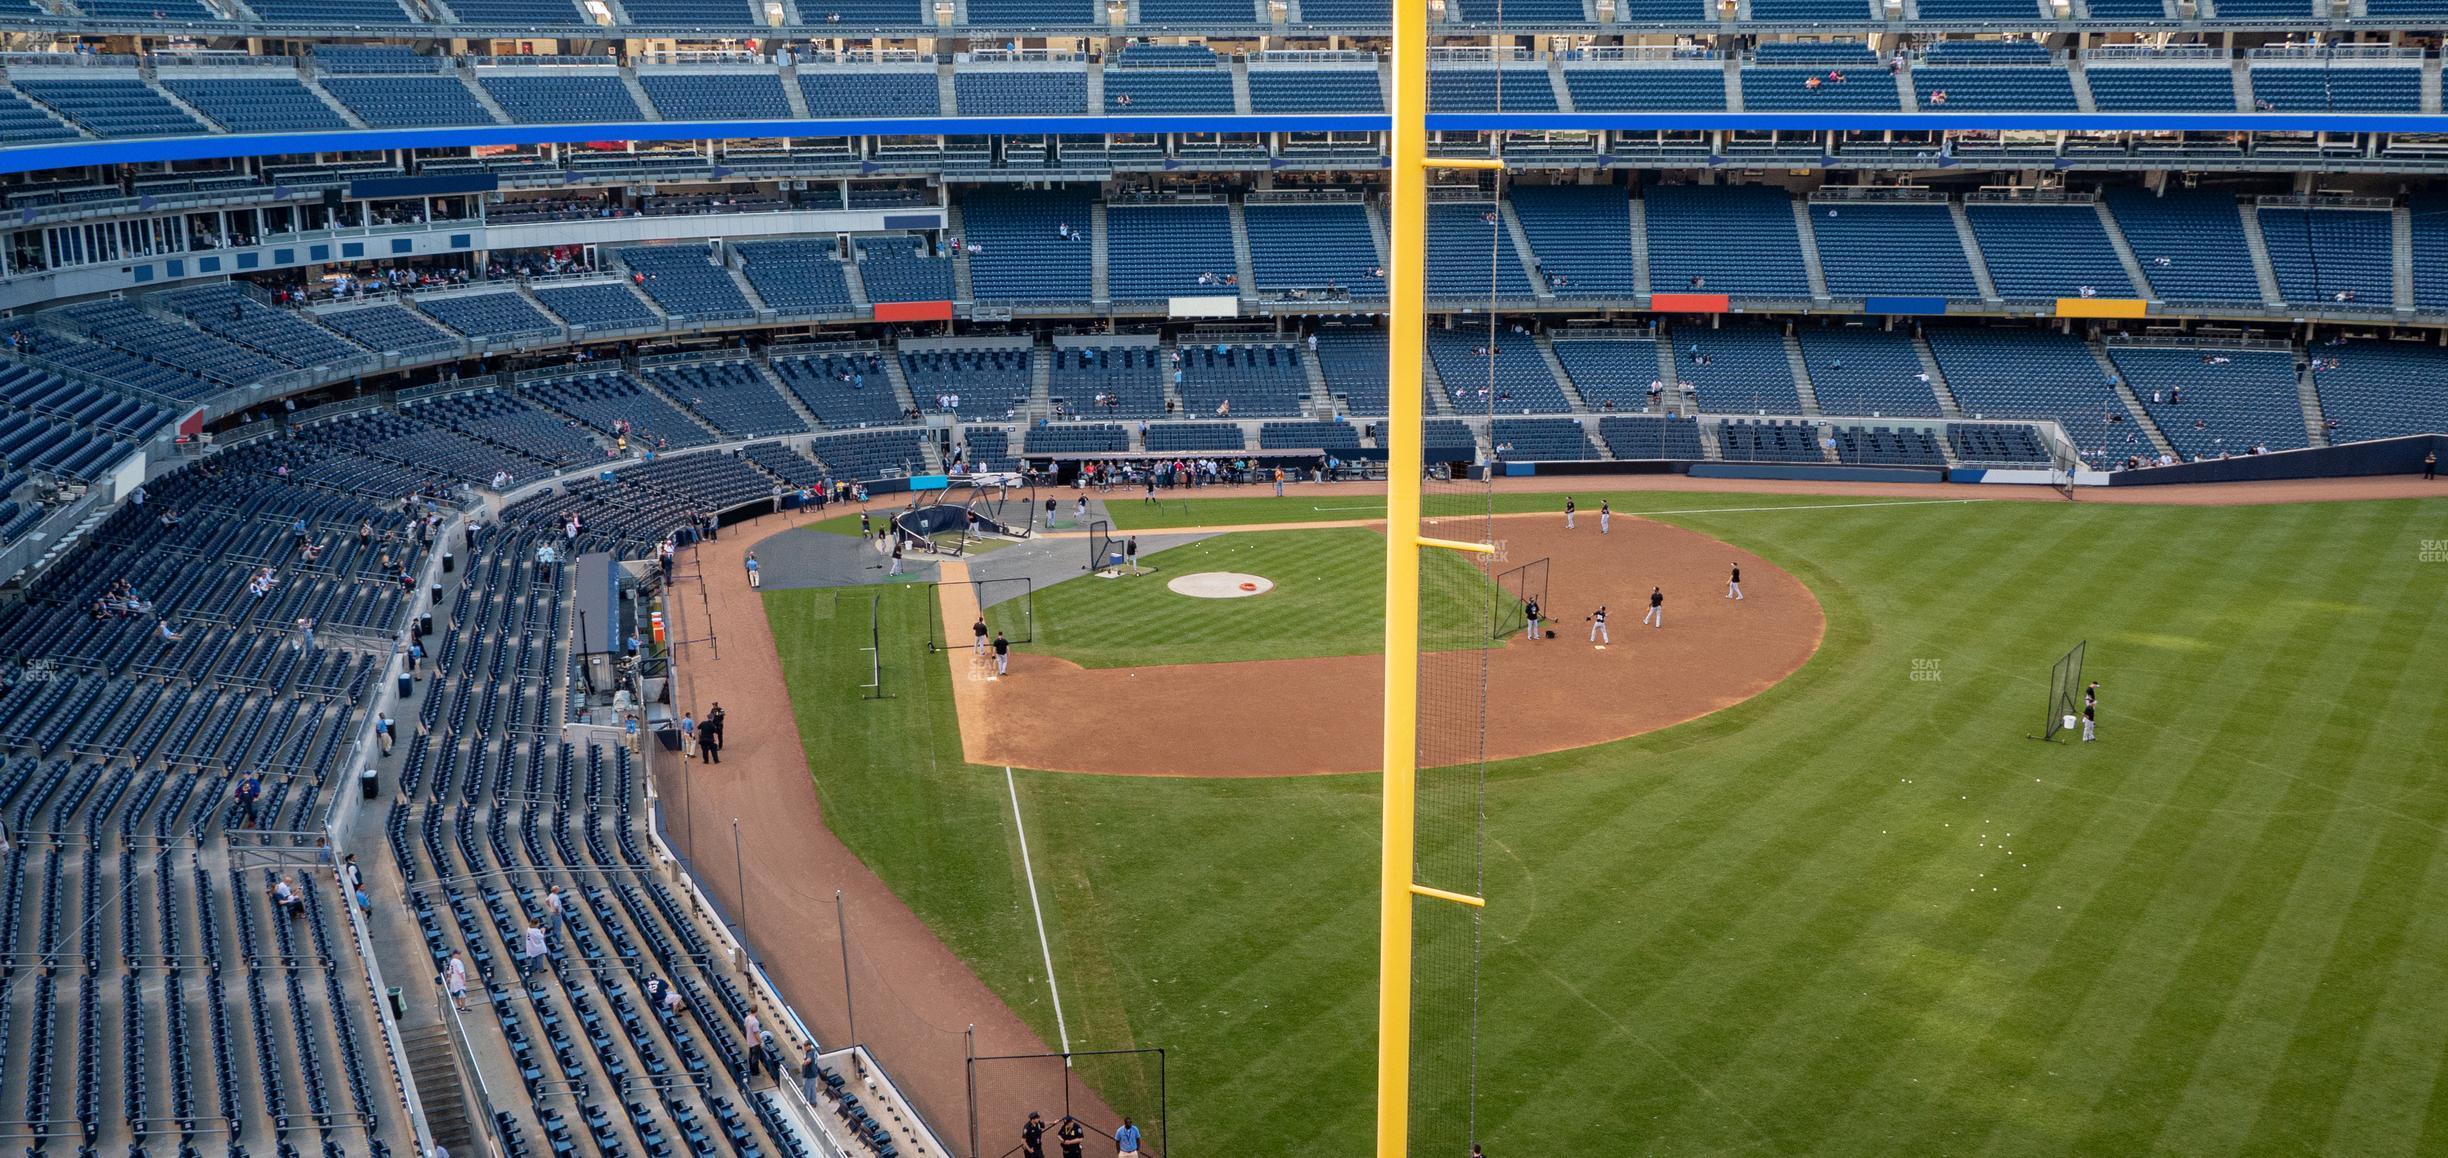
column 1315, row 716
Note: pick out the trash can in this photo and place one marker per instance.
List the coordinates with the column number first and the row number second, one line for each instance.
column 369, row 782
column 399, row 1007
column 448, row 564
column 437, row 595
column 425, row 624
column 407, row 685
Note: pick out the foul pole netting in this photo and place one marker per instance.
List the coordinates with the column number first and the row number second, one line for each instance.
column 1441, row 595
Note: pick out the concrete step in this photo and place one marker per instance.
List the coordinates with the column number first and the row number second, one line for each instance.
column 2259, row 248
column 2125, row 254
column 1800, row 366
column 1555, row 366
column 1972, row 252
column 2133, row 405
column 1810, row 251
column 2316, row 422
column 1947, row 406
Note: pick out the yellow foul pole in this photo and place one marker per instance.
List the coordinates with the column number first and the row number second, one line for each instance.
column 1406, row 280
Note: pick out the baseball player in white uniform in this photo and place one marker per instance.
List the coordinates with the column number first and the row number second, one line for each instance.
column 1568, row 514
column 1657, row 608
column 1598, row 628
column 1734, row 583
column 1606, row 515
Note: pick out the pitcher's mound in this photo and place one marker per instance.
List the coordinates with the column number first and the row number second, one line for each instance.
column 1221, row 585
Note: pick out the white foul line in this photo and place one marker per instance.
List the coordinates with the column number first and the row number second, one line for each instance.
column 1043, row 945
column 1812, row 507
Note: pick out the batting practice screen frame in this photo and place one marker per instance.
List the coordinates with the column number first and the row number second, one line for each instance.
column 2065, row 685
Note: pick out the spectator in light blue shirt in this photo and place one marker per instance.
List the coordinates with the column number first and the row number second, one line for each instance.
column 1126, row 1139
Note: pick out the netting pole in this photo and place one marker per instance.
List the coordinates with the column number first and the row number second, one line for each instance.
column 1406, row 310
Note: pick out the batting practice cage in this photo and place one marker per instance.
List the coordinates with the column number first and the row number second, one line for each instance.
column 1520, row 586
column 1010, row 606
column 1443, row 592
column 1099, row 1087
column 2065, row 692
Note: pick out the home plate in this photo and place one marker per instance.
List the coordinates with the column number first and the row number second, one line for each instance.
column 1221, row 585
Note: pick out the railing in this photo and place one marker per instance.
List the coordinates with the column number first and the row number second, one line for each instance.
column 1643, row 52
column 1313, row 56
column 2200, row 340
column 679, row 57
column 2335, row 52
column 1305, row 197
column 1907, row 194
column 219, row 58
column 1019, row 56
column 2029, row 195
column 2321, row 201
column 2182, row 52
column 540, row 61
column 1480, row 54
column 69, row 60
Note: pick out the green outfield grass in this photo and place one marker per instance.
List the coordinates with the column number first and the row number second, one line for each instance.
column 1329, row 599
column 1859, row 914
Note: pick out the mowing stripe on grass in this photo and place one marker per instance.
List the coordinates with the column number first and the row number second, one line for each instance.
column 1043, row 946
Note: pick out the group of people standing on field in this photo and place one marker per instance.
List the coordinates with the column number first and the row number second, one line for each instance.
column 703, row 737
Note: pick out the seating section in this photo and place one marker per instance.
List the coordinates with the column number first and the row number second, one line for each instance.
column 2382, row 389
column 155, row 338
column 2331, row 259
column 1310, row 248
column 1540, row 440
column 2342, row 88
column 1110, row 381
column 691, row 13
column 731, row 395
column 538, row 99
column 1258, row 381
column 23, row 123
column 1736, row 369
column 2428, row 220
column 2191, row 245
column 110, row 106
column 257, row 106
column 1634, row 437
column 1460, row 265
column 1530, row 12
column 992, row 381
column 1315, row 90
column 496, row 316
column 1162, row 251
column 1882, row 446
column 1743, row 440
column 899, row 269
column 395, row 102
column 1998, row 445
column 1581, row 236
column 1177, row 437
column 2014, row 88
column 390, row 329
column 1353, row 361
column 843, row 389
column 1024, row 256
column 2170, row 88
column 1168, row 90
column 1508, row 378
column 1601, row 90
column 236, row 316
column 2212, row 401
column 1327, row 436
column 1032, row 92
column 1611, row 373
column 2001, row 373
column 870, row 93
column 1766, row 89
column 796, row 277
column 1481, row 90
column 607, row 400
column 517, row 12
column 1738, row 240
column 1199, row 14
column 1870, row 248
column 686, row 282
column 2011, row 12
column 507, row 421
column 2048, row 251
column 1077, row 438
column 1859, row 371
column 601, row 305
column 716, row 96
